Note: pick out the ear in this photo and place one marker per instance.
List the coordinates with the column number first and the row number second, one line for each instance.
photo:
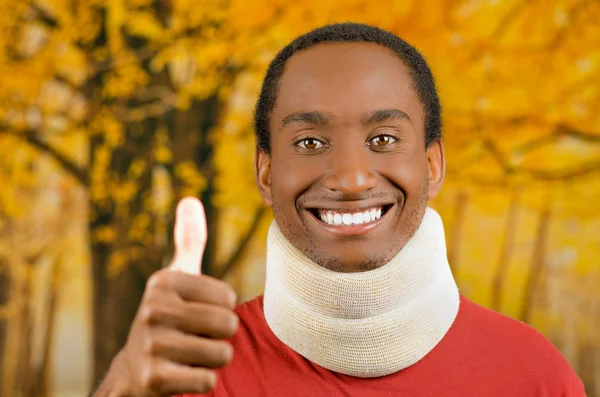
column 436, row 162
column 262, row 170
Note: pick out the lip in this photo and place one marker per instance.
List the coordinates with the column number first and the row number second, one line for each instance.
column 349, row 206
column 353, row 230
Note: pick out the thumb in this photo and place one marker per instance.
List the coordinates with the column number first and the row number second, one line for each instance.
column 190, row 236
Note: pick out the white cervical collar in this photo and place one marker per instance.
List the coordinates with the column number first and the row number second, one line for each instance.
column 364, row 324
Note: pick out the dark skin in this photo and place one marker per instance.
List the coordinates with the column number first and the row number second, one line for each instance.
column 347, row 134
column 352, row 139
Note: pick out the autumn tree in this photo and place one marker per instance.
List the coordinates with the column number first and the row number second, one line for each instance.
column 142, row 102
column 139, row 84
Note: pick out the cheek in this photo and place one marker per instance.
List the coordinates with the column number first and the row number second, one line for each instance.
column 291, row 176
column 406, row 171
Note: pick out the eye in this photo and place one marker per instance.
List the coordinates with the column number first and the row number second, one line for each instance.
column 382, row 140
column 310, row 143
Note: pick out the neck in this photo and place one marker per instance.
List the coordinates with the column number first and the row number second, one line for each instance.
column 363, row 324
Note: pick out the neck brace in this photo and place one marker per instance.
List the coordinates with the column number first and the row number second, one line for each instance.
column 364, row 324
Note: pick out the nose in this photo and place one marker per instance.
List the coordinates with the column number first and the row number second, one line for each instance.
column 351, row 173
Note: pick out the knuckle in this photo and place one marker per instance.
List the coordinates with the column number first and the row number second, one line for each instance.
column 152, row 346
column 147, row 313
column 159, row 280
column 155, row 281
column 152, row 378
column 153, row 313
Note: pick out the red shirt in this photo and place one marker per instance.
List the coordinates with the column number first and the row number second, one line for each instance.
column 483, row 354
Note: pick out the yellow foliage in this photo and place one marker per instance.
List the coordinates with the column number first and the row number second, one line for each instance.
column 163, row 154
column 188, row 173
column 109, row 88
column 140, row 227
column 106, row 234
column 118, row 260
column 136, row 168
column 124, row 192
column 144, row 24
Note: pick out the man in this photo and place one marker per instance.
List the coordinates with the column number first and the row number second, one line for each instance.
column 359, row 297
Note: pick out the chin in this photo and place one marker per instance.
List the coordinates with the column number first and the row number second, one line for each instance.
column 351, row 265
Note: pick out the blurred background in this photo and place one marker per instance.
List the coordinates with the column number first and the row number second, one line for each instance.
column 110, row 111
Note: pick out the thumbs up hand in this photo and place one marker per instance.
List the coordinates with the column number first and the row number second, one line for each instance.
column 176, row 340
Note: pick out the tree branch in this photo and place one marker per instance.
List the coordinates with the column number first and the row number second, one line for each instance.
column 583, row 170
column 537, row 143
column 575, row 133
column 230, row 264
column 498, row 156
column 560, row 130
column 29, row 136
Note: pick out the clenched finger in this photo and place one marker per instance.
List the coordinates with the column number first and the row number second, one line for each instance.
column 188, row 349
column 169, row 378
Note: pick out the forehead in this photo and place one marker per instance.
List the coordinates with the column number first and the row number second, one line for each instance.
column 346, row 79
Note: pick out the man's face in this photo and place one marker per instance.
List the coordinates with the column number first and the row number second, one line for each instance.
column 348, row 176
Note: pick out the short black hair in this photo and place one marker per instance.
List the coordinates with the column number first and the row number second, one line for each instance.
column 423, row 80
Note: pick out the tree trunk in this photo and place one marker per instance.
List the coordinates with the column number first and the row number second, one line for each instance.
column 4, row 302
column 537, row 268
column 117, row 295
column 510, row 231
column 102, row 323
column 43, row 375
column 23, row 367
column 115, row 304
column 115, row 300
column 189, row 132
column 596, row 378
column 38, row 383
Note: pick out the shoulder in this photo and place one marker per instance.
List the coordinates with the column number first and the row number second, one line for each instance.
column 253, row 329
column 517, row 347
column 251, row 307
column 251, row 315
column 503, row 330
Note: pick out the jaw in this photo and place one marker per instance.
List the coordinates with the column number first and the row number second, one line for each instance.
column 351, row 248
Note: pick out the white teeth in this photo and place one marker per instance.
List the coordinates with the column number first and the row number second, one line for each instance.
column 348, row 219
column 337, row 219
column 357, row 218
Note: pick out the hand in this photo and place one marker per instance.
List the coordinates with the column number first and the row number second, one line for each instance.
column 175, row 341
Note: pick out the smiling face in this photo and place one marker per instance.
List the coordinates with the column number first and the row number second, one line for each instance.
column 349, row 174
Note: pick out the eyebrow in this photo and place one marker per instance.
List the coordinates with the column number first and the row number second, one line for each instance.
column 316, row 118
column 378, row 116
column 319, row 118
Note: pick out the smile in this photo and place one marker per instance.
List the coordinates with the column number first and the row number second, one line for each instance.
column 335, row 218
column 350, row 221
